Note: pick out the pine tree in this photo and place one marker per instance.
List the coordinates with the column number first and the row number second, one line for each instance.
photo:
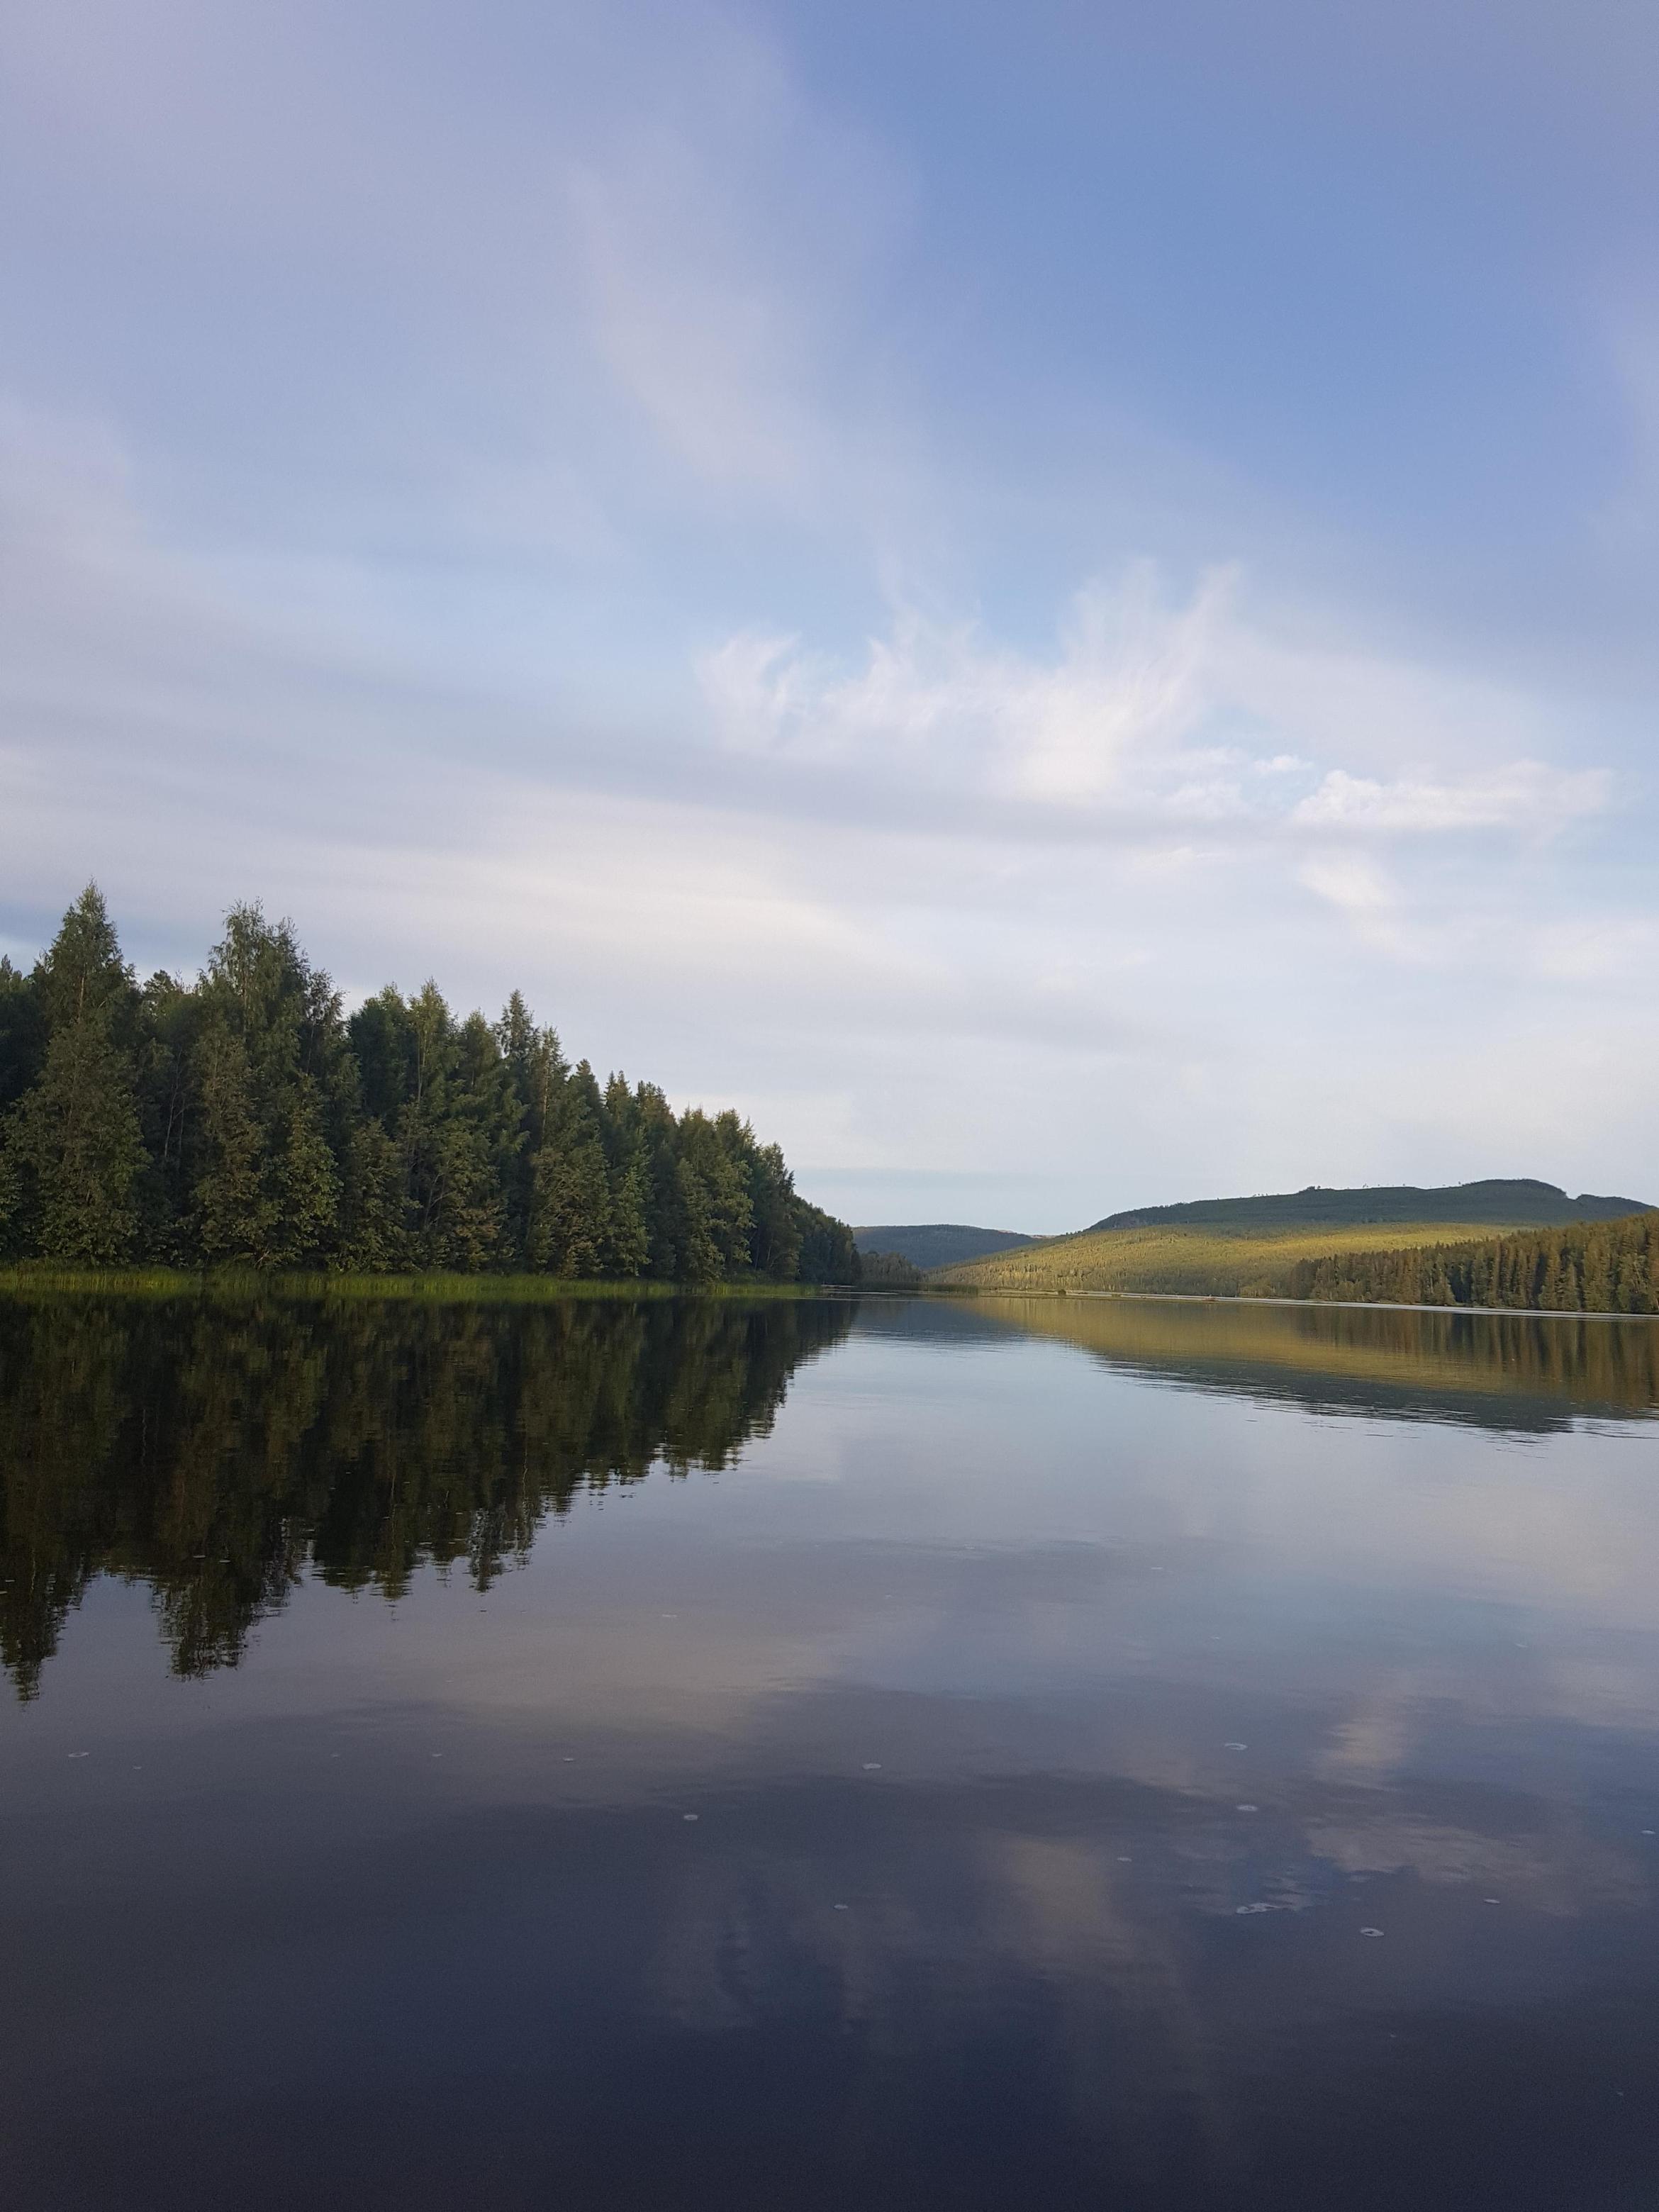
column 373, row 1235
column 774, row 1241
column 570, row 1220
column 75, row 1142
column 570, row 1228
column 628, row 1249
column 82, row 977
column 22, row 1035
column 699, row 1254
column 305, row 1192
column 76, row 1150
column 234, row 1214
column 169, row 1017
column 242, row 1119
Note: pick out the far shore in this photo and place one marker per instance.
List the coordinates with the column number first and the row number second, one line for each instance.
column 537, row 1290
column 1302, row 1305
column 528, row 1290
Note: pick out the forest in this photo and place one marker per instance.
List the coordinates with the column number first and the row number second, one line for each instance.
column 1593, row 1267
column 244, row 1120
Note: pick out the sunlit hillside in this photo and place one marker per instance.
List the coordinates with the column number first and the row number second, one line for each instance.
column 1201, row 1260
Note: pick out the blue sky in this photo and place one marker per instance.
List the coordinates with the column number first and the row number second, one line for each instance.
column 1058, row 602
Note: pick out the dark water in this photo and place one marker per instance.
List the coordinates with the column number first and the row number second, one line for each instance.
column 800, row 1755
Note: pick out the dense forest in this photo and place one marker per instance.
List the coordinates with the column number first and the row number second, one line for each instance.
column 217, row 1449
column 1599, row 1266
column 245, row 1121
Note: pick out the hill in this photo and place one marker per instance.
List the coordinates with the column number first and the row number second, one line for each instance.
column 1513, row 1203
column 937, row 1243
column 1204, row 1262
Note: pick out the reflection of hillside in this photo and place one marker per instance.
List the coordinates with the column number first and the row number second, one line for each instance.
column 215, row 1449
column 1497, row 1371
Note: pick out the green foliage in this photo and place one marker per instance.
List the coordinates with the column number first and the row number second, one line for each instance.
column 1603, row 1267
column 888, row 1271
column 1198, row 1262
column 75, row 1152
column 233, row 1214
column 73, row 1143
column 22, row 1034
column 242, row 1122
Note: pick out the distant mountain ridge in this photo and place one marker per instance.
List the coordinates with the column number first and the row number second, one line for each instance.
column 1517, row 1202
column 937, row 1243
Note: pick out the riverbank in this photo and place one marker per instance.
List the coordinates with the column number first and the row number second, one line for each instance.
column 441, row 1289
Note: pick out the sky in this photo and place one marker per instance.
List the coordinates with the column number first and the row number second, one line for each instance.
column 1057, row 602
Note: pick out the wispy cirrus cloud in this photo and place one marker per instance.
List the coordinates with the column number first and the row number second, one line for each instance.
column 1193, row 712
column 1520, row 795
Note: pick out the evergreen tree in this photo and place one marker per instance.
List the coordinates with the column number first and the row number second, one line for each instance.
column 73, row 1144
column 536, row 1074
column 240, row 1120
column 169, row 1021
column 629, row 1243
column 22, row 1035
column 716, row 1213
column 305, row 1196
column 570, row 1228
column 775, row 1236
column 372, row 1237
column 234, row 1212
column 76, row 1150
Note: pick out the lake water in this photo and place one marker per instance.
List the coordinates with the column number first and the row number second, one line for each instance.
column 905, row 1754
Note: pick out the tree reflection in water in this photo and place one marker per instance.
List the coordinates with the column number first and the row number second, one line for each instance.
column 218, row 1448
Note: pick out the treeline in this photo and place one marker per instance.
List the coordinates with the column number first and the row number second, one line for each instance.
column 888, row 1271
column 245, row 1121
column 222, row 1449
column 1596, row 1266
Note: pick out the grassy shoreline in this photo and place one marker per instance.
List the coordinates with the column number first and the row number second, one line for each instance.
column 444, row 1289
column 1297, row 1305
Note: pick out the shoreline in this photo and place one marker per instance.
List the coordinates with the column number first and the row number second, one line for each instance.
column 538, row 1289
column 1306, row 1305
column 448, row 1289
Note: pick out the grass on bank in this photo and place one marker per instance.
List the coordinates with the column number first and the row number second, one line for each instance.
column 1202, row 1262
column 437, row 1289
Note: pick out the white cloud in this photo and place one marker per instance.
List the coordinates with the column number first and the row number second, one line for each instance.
column 1079, row 968
column 1524, row 795
column 944, row 702
column 1351, row 882
column 1194, row 713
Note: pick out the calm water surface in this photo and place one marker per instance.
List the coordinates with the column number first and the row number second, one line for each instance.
column 911, row 1754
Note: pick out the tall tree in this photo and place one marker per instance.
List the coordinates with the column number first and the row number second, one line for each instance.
column 242, row 1120
column 22, row 1035
column 570, row 1229
column 74, row 1144
column 234, row 1212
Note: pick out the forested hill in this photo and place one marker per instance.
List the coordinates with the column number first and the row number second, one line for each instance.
column 937, row 1243
column 243, row 1120
column 1514, row 1203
